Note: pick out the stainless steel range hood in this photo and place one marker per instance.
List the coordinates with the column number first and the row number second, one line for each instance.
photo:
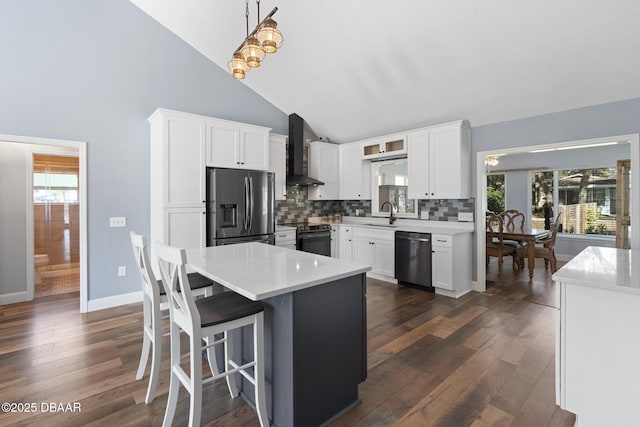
column 297, row 138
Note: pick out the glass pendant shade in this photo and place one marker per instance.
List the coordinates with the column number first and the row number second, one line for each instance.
column 252, row 52
column 237, row 66
column 269, row 36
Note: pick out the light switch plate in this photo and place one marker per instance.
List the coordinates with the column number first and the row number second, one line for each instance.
column 122, row 270
column 424, row 214
column 117, row 221
column 465, row 216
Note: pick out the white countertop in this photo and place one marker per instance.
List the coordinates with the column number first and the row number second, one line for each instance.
column 605, row 268
column 259, row 271
column 419, row 226
column 284, row 228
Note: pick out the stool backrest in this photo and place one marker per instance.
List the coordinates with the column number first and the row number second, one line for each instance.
column 182, row 307
column 149, row 282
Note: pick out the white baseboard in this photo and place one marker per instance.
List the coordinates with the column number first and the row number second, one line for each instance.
column 451, row 294
column 114, row 301
column 13, row 297
column 476, row 287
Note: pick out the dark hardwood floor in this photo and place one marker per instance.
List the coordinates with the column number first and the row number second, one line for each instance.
column 486, row 359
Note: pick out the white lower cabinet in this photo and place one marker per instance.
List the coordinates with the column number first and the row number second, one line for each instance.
column 375, row 248
column 346, row 243
column 286, row 237
column 449, row 278
column 441, row 262
column 186, row 227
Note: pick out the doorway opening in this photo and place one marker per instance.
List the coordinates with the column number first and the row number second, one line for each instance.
column 481, row 189
column 56, row 220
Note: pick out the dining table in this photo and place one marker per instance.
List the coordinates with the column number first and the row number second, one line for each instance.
column 528, row 240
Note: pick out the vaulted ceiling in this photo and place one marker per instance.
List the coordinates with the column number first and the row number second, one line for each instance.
column 355, row 69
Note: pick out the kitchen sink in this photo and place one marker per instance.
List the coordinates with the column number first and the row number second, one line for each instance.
column 383, row 225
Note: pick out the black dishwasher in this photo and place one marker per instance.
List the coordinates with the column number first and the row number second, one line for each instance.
column 413, row 259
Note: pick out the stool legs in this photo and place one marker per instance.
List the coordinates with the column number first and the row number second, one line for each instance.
column 229, row 347
column 174, row 382
column 258, row 370
column 195, row 403
column 151, row 341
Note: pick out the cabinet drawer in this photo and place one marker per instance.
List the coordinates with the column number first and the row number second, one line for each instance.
column 441, row 240
column 376, row 234
column 285, row 237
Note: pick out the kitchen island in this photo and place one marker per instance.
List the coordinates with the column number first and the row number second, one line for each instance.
column 315, row 326
column 597, row 348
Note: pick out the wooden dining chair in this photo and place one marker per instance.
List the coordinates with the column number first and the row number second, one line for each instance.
column 154, row 301
column 495, row 242
column 545, row 249
column 514, row 222
column 208, row 317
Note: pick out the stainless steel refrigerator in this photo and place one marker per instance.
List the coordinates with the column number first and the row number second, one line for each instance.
column 240, row 206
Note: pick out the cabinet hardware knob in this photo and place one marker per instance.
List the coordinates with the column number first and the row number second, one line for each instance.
column 433, row 252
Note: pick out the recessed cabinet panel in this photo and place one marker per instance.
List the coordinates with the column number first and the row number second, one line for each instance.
column 254, row 151
column 323, row 166
column 355, row 173
column 277, row 164
column 222, row 145
column 185, row 228
column 439, row 162
column 184, row 159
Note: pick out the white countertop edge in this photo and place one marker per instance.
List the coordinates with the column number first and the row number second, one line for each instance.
column 198, row 263
column 616, row 270
column 420, row 226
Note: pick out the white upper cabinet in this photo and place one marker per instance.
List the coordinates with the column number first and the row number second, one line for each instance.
column 438, row 161
column 177, row 160
column 278, row 163
column 236, row 145
column 323, row 165
column 388, row 146
column 354, row 173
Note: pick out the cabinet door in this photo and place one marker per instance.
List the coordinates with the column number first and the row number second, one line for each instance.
column 442, row 268
column 447, row 178
column 363, row 251
column 384, row 257
column 418, row 165
column 354, row 173
column 323, row 165
column 346, row 248
column 223, row 143
column 254, row 149
column 335, row 245
column 184, row 162
column 277, row 164
column 185, row 227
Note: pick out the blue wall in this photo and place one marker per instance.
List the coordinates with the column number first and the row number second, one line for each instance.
column 94, row 71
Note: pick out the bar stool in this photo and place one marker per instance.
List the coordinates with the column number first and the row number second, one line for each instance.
column 154, row 300
column 217, row 314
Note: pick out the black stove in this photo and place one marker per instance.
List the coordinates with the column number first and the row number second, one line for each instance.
column 309, row 227
column 313, row 237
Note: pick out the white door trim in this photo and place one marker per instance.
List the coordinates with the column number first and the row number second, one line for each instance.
column 56, row 146
column 481, row 193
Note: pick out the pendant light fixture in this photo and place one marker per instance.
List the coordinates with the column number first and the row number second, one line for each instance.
column 265, row 38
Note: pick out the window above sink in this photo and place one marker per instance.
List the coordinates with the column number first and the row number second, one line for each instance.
column 390, row 182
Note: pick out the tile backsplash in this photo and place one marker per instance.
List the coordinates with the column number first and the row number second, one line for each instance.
column 297, row 208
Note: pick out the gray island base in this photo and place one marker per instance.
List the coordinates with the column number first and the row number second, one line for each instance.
column 315, row 337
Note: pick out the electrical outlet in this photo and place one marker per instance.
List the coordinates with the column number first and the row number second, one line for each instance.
column 465, row 216
column 122, row 270
column 117, row 221
column 424, row 214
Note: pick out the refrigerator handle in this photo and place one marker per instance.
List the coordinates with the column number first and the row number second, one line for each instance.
column 246, row 203
column 251, row 203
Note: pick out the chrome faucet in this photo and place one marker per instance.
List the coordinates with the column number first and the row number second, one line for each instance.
column 392, row 219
